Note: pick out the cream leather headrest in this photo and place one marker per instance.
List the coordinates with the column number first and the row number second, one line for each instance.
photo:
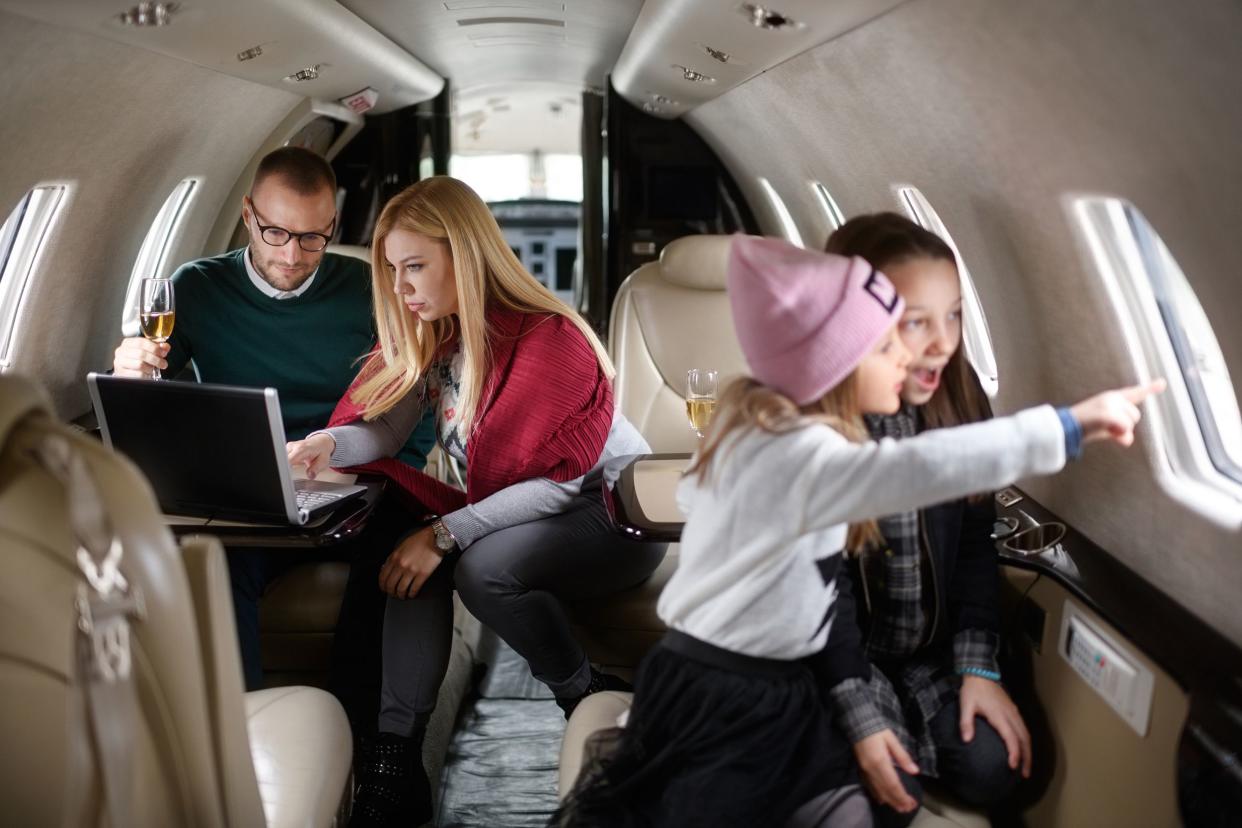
column 355, row 250
column 696, row 262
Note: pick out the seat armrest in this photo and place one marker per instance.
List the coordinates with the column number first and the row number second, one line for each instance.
column 302, row 750
column 597, row 711
column 207, row 573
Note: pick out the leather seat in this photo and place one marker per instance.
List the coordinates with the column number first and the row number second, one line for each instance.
column 357, row 251
column 670, row 315
column 602, row 710
column 165, row 736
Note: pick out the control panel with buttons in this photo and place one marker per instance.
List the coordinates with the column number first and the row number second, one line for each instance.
column 1107, row 666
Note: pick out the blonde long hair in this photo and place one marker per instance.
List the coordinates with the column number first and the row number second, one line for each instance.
column 747, row 403
column 487, row 271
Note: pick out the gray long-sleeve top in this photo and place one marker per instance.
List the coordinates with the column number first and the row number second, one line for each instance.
column 528, row 500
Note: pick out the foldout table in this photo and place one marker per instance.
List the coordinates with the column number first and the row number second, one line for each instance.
column 341, row 524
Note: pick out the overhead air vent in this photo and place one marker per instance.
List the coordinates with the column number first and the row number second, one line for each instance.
column 529, row 21
column 693, row 75
column 716, row 54
column 307, row 74
column 762, row 17
column 249, row 54
column 148, row 14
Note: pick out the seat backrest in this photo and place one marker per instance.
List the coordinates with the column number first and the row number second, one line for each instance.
column 669, row 316
column 355, row 250
column 52, row 772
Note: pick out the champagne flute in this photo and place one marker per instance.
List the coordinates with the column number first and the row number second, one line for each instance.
column 157, row 312
column 700, row 398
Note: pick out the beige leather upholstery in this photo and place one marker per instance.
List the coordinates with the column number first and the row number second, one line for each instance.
column 302, row 750
column 669, row 316
column 356, row 250
column 618, row 630
column 595, row 712
column 294, row 740
column 187, row 748
column 213, row 611
column 297, row 618
column 601, row 710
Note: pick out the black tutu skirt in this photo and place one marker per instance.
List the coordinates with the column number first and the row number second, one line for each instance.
column 714, row 739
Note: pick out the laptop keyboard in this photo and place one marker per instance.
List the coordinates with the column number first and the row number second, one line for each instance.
column 310, row 501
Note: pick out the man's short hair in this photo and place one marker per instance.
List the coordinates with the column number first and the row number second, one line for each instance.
column 303, row 171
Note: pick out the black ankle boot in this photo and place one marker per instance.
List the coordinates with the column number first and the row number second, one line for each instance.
column 391, row 787
column 599, row 681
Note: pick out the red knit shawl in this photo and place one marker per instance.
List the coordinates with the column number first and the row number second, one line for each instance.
column 546, row 411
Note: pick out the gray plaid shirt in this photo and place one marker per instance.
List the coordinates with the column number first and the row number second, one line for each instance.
column 920, row 680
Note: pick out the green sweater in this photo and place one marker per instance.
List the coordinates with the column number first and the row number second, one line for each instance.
column 306, row 347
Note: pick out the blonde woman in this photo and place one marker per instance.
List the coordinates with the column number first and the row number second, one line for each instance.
column 522, row 390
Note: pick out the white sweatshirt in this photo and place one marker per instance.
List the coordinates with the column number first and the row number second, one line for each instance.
column 763, row 538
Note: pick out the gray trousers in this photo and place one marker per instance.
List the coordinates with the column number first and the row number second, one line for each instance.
column 513, row 581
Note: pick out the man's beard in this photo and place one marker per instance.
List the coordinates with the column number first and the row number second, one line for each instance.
column 271, row 274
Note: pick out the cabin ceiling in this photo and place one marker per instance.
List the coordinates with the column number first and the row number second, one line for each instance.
column 517, row 67
column 290, row 36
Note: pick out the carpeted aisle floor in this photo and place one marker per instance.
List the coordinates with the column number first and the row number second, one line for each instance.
column 501, row 767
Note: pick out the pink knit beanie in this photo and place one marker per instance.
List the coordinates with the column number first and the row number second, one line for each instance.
column 805, row 319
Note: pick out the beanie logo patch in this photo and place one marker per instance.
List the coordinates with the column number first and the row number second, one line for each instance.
column 882, row 291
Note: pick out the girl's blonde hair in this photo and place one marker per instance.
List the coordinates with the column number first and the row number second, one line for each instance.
column 487, row 271
column 747, row 403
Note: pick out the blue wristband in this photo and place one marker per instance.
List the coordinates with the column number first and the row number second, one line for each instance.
column 990, row 675
column 1073, row 434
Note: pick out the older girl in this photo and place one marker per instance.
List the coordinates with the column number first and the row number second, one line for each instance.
column 521, row 387
column 927, row 596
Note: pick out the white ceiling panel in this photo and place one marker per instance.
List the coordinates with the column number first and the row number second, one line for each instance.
column 683, row 53
column 291, row 35
column 517, row 67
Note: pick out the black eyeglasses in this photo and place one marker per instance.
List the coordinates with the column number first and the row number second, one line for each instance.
column 279, row 236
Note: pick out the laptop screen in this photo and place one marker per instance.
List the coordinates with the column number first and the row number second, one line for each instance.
column 208, row 450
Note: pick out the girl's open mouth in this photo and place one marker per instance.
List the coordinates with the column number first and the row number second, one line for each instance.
column 927, row 378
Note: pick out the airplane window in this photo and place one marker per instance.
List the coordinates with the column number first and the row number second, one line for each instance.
column 21, row 243
column 975, row 331
column 153, row 255
column 788, row 228
column 1170, row 335
column 829, row 205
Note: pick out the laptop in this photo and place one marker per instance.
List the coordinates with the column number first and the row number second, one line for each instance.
column 210, row 451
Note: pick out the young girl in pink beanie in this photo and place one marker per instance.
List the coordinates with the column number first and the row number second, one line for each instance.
column 731, row 723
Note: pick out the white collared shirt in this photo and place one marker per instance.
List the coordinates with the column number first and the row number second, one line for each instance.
column 267, row 290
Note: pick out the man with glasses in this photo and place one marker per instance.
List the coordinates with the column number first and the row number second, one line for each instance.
column 283, row 313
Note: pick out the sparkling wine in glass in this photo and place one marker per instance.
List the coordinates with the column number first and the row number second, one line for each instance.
column 157, row 312
column 700, row 398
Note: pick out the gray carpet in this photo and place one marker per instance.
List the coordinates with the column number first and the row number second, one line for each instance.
column 501, row 767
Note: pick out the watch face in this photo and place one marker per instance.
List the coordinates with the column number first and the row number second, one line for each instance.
column 443, row 539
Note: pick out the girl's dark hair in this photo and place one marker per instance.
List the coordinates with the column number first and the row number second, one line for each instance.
column 887, row 239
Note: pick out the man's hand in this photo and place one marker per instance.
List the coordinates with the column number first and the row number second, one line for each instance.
column 138, row 357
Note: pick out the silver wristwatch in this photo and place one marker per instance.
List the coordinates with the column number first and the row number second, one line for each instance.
column 445, row 541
